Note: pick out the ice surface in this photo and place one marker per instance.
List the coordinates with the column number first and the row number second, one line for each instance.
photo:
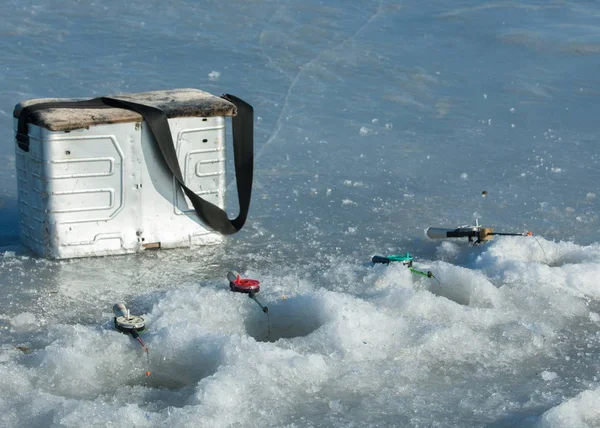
column 578, row 412
column 374, row 121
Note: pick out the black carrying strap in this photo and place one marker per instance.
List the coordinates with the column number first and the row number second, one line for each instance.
column 156, row 119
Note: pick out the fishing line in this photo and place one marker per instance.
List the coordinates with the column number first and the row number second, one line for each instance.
column 266, row 311
column 545, row 255
column 524, row 234
column 137, row 337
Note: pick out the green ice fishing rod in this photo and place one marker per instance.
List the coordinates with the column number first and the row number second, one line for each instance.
column 406, row 260
column 428, row 274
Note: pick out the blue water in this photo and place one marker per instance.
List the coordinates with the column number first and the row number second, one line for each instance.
column 374, row 121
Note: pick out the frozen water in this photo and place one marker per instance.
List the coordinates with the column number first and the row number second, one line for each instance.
column 375, row 120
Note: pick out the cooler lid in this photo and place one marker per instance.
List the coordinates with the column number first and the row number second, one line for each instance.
column 174, row 102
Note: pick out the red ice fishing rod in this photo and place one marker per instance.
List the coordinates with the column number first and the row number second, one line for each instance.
column 130, row 324
column 475, row 234
column 251, row 287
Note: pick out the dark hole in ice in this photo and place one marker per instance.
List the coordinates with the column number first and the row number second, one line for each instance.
column 175, row 376
column 292, row 317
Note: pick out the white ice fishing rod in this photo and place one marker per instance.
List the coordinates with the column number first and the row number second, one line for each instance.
column 481, row 234
column 130, row 324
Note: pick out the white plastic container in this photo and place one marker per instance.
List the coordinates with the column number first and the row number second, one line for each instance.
column 93, row 183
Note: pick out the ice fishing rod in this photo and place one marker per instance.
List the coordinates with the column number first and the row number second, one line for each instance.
column 406, row 260
column 248, row 286
column 130, row 324
column 481, row 234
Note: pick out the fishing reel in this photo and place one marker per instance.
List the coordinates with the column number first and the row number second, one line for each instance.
column 238, row 284
column 248, row 286
column 125, row 322
column 130, row 324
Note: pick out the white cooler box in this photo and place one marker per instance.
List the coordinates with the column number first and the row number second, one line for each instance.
column 95, row 179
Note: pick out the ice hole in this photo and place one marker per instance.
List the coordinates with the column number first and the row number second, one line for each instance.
column 464, row 287
column 90, row 367
column 289, row 317
column 165, row 381
column 183, row 366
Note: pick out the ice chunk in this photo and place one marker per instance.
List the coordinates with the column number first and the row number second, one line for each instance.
column 23, row 320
